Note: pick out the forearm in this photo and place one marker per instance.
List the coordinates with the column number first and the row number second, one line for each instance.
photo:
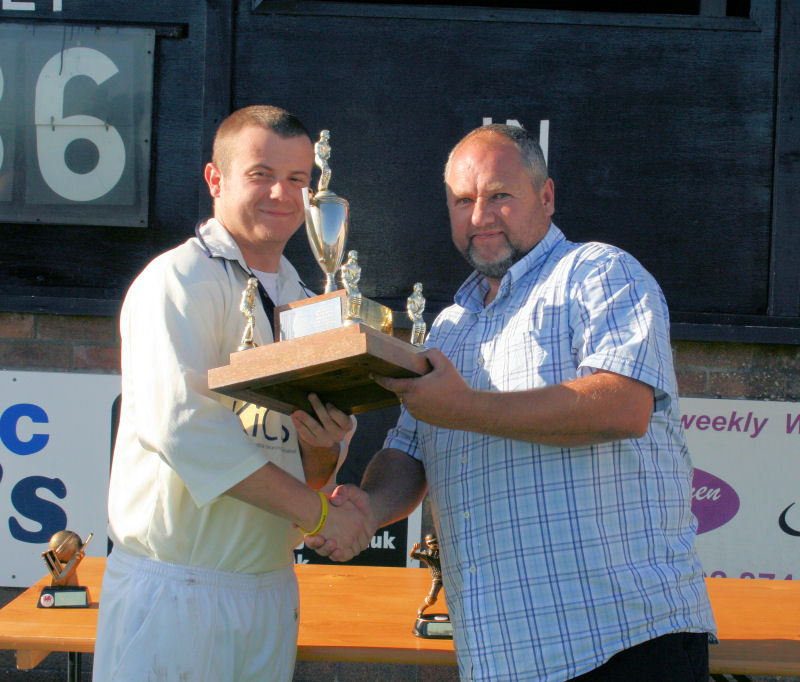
column 395, row 483
column 319, row 463
column 596, row 408
column 274, row 490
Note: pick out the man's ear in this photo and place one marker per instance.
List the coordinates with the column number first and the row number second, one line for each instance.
column 548, row 196
column 213, row 177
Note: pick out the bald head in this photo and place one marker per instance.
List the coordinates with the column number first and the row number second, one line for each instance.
column 527, row 146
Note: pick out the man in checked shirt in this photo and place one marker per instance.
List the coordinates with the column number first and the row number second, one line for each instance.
column 548, row 434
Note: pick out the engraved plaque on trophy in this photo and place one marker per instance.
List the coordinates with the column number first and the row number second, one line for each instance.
column 329, row 344
column 62, row 558
column 337, row 308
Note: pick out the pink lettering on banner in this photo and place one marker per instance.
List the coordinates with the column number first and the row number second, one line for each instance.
column 792, row 423
column 735, row 423
column 714, row 502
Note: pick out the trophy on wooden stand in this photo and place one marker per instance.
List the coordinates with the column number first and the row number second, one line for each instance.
column 431, row 625
column 62, row 559
column 329, row 344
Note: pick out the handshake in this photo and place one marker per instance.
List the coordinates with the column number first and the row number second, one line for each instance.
column 349, row 527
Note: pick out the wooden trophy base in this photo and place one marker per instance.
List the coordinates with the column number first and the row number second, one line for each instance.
column 335, row 364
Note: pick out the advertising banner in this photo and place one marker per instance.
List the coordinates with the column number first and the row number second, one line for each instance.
column 55, row 451
column 55, row 445
column 56, row 434
column 746, row 487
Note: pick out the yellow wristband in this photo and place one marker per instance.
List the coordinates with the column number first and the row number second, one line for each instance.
column 323, row 517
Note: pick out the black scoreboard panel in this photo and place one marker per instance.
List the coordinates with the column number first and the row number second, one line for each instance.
column 660, row 137
column 68, row 246
column 670, row 135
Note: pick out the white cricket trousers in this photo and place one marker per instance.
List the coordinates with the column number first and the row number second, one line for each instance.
column 161, row 622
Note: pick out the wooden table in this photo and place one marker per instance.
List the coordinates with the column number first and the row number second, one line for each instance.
column 365, row 613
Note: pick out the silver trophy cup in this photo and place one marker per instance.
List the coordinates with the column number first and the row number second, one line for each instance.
column 327, row 218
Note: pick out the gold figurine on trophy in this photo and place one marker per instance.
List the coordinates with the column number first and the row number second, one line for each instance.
column 415, row 305
column 351, row 273
column 247, row 308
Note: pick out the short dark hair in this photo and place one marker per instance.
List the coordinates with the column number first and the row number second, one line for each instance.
column 526, row 144
column 272, row 118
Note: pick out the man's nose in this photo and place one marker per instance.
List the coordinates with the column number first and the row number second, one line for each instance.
column 482, row 213
column 279, row 190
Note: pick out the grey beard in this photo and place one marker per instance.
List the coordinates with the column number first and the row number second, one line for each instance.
column 497, row 269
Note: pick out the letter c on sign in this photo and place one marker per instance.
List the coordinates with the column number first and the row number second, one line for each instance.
column 8, row 429
column 784, row 526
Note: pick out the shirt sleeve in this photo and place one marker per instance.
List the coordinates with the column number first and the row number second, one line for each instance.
column 620, row 322
column 174, row 322
column 404, row 435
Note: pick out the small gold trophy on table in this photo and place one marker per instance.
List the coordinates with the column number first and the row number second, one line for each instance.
column 329, row 344
column 62, row 559
column 431, row 625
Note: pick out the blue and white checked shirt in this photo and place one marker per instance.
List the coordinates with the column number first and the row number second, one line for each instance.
column 554, row 559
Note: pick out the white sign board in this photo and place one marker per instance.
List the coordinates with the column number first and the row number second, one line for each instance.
column 55, row 440
column 746, row 488
column 55, row 453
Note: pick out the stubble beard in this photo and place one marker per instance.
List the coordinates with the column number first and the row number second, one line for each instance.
column 497, row 268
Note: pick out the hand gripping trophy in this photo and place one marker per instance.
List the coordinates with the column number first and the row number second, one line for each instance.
column 432, row 625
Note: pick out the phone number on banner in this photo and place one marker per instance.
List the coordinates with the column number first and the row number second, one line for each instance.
column 748, row 575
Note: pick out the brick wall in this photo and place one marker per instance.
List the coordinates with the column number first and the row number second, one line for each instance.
column 68, row 343
column 91, row 344
column 737, row 370
column 78, row 343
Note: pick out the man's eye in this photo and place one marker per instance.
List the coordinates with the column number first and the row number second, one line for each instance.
column 463, row 201
column 501, row 195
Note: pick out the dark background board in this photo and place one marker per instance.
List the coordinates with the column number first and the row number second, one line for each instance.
column 673, row 136
column 661, row 142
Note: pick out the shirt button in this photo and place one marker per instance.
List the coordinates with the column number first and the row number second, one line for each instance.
column 480, row 362
column 466, row 514
column 472, row 569
column 464, row 460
